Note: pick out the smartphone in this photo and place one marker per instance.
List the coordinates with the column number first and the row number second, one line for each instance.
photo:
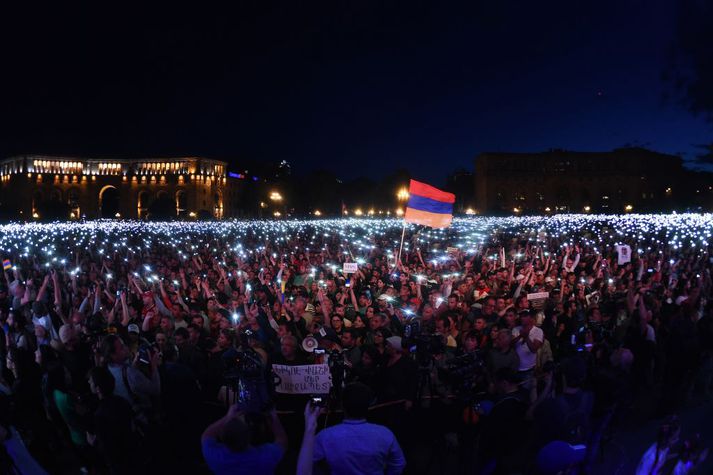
column 348, row 283
column 318, row 401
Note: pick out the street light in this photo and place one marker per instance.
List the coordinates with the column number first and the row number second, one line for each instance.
column 275, row 196
column 402, row 196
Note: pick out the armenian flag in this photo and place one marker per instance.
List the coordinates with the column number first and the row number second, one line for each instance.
column 6, row 264
column 429, row 206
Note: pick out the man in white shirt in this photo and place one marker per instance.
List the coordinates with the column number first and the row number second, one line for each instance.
column 527, row 340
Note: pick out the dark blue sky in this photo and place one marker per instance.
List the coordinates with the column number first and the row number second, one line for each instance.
column 357, row 87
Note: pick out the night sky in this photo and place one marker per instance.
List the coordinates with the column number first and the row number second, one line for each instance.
column 357, row 87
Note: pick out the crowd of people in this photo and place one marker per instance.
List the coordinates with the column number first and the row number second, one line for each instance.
column 519, row 355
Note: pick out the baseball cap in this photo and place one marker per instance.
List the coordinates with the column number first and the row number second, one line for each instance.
column 133, row 328
column 394, row 342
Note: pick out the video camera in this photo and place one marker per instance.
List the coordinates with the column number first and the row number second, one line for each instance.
column 423, row 346
column 247, row 376
column 337, row 367
column 464, row 373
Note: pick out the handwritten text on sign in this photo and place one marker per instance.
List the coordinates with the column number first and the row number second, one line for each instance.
column 304, row 379
column 350, row 268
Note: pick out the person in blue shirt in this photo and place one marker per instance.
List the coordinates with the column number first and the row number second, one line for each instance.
column 352, row 447
column 227, row 449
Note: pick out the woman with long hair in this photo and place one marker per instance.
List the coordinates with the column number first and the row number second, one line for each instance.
column 17, row 334
column 380, row 336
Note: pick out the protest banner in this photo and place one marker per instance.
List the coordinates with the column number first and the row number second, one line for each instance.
column 303, row 379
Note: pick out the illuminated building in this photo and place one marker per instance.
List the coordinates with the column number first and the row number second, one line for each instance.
column 104, row 188
column 561, row 181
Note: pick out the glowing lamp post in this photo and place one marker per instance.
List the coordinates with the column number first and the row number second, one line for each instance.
column 402, row 196
column 276, row 199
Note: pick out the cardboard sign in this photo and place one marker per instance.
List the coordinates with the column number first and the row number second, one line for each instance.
column 624, row 253
column 451, row 250
column 303, row 379
column 538, row 295
column 538, row 300
column 350, row 268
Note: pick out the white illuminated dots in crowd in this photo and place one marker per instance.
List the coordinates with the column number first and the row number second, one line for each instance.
column 57, row 242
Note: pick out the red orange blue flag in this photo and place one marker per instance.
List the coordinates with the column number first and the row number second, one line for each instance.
column 429, row 206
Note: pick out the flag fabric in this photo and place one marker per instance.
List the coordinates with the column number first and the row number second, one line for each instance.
column 429, row 206
column 6, row 264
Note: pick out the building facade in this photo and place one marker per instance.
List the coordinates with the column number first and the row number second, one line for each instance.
column 35, row 187
column 623, row 180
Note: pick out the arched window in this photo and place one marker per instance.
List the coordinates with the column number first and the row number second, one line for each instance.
column 109, row 201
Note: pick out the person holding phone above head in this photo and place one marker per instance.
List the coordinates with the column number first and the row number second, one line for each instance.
column 352, row 447
column 227, row 446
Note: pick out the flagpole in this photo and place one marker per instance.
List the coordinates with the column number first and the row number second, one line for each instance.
column 403, row 233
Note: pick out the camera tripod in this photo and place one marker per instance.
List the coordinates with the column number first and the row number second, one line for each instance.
column 425, row 382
